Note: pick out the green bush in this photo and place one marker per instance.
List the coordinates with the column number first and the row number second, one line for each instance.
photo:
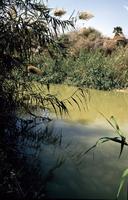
column 91, row 69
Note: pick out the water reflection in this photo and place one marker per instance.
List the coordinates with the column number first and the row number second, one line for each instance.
column 97, row 176
column 107, row 102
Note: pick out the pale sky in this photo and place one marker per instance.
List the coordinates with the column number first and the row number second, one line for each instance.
column 107, row 13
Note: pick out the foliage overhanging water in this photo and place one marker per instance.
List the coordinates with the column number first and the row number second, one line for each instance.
column 74, row 174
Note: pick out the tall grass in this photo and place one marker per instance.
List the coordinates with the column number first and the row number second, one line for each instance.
column 91, row 69
column 87, row 59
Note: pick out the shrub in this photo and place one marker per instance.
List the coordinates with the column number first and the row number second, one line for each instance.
column 89, row 68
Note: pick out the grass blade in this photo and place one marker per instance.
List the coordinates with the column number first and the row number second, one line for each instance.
column 123, row 179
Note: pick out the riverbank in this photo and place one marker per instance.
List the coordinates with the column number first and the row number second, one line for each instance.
column 90, row 69
column 122, row 90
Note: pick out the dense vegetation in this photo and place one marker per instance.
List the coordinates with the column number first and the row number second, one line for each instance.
column 24, row 25
column 89, row 60
column 30, row 35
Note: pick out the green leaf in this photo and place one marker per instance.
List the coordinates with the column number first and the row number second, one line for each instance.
column 116, row 125
column 117, row 128
column 124, row 176
column 76, row 102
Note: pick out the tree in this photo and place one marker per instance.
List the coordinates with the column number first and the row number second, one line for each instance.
column 118, row 30
column 119, row 37
column 23, row 24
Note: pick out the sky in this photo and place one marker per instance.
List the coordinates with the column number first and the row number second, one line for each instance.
column 107, row 13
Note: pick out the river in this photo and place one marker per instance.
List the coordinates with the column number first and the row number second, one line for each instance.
column 92, row 175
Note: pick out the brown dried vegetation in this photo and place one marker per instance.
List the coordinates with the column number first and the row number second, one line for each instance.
column 91, row 39
column 59, row 12
column 34, row 70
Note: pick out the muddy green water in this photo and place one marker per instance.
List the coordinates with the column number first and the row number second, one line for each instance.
column 109, row 103
column 95, row 175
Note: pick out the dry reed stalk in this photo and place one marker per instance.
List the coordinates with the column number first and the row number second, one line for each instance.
column 59, row 12
column 34, row 70
column 85, row 15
